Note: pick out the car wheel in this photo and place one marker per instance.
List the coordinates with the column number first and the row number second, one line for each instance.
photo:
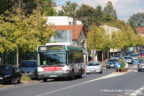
column 44, row 79
column 80, row 76
column 139, row 70
column 19, row 80
column 81, row 72
column 12, row 81
column 101, row 72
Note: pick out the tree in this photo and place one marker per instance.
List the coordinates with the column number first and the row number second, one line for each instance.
column 98, row 15
column 26, row 5
column 97, row 38
column 136, row 20
column 109, row 13
column 68, row 9
column 86, row 14
column 45, row 7
column 21, row 32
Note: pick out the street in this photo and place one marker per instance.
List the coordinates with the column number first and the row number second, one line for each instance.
column 109, row 83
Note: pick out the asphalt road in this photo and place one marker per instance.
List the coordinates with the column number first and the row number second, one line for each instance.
column 90, row 85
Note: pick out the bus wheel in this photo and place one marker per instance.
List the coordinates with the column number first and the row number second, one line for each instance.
column 72, row 76
column 80, row 75
column 44, row 79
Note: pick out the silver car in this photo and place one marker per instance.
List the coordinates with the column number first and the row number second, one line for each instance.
column 94, row 67
column 141, row 65
column 128, row 59
column 135, row 56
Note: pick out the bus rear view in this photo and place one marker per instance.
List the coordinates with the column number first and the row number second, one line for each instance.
column 60, row 61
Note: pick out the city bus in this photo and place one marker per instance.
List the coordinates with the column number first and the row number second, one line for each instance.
column 59, row 60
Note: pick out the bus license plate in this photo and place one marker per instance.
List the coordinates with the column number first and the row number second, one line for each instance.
column 53, row 76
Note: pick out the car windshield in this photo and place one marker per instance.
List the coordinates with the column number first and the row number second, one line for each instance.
column 28, row 64
column 127, row 57
column 112, row 60
column 52, row 58
column 6, row 68
column 115, row 56
column 93, row 64
column 134, row 55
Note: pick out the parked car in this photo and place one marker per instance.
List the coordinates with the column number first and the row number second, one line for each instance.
column 115, row 57
column 9, row 74
column 135, row 56
column 128, row 59
column 94, row 67
column 142, row 55
column 111, row 63
column 141, row 65
column 29, row 67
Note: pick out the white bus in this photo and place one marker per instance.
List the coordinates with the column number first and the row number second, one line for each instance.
column 58, row 60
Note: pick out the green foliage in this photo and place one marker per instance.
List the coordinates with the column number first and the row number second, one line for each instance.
column 137, row 20
column 26, row 78
column 5, row 5
column 109, row 13
column 122, row 64
column 20, row 31
column 97, row 38
column 98, row 15
column 68, row 9
column 24, row 32
column 26, row 5
column 118, row 24
column 45, row 6
column 86, row 14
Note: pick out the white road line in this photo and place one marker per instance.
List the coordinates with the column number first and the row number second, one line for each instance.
column 138, row 91
column 104, row 77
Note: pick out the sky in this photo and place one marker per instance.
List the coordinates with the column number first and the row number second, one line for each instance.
column 124, row 8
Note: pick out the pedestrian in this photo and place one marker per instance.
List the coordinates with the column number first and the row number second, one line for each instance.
column 0, row 60
column 126, row 66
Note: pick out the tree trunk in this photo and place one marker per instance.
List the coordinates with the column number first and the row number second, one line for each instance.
column 17, row 56
column 107, row 54
column 113, row 52
column 102, row 56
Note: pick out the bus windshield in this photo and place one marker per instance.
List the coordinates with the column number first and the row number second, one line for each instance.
column 52, row 58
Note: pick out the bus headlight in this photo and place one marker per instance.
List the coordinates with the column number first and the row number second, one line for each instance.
column 40, row 69
column 66, row 69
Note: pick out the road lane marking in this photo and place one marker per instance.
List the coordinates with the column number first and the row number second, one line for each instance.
column 65, row 88
column 138, row 91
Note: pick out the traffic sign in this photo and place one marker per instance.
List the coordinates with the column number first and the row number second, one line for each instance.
column 118, row 65
column 135, row 61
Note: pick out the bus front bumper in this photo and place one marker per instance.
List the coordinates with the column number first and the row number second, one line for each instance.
column 54, row 74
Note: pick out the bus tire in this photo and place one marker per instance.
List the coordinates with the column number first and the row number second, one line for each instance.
column 72, row 76
column 44, row 79
column 81, row 72
column 80, row 76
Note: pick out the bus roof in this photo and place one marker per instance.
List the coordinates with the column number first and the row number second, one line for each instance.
column 57, row 43
column 67, row 46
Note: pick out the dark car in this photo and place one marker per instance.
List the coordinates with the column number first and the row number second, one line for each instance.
column 142, row 55
column 111, row 63
column 115, row 57
column 29, row 67
column 9, row 74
